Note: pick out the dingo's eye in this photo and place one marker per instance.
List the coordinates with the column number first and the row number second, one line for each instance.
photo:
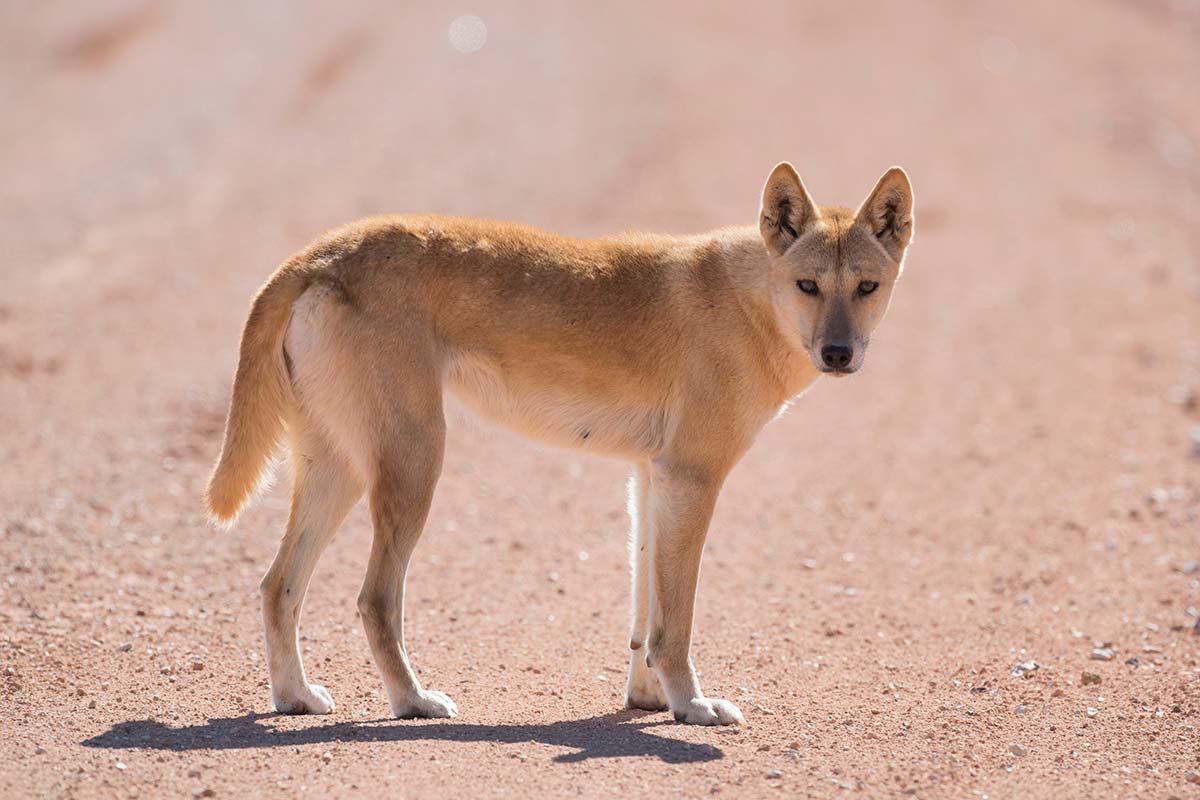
column 866, row 287
column 808, row 287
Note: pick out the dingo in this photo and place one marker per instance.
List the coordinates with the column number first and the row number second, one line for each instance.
column 671, row 352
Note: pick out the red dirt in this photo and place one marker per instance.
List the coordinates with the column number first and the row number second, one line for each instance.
column 1014, row 476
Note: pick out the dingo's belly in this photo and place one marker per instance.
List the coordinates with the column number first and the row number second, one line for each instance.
column 549, row 408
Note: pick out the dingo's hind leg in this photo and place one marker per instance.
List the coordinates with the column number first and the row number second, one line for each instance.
column 325, row 490
column 408, row 459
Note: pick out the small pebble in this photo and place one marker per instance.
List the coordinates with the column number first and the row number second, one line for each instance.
column 775, row 774
column 120, row 765
column 1102, row 654
column 327, row 756
column 1017, row 750
column 1025, row 669
column 1185, row 397
column 1193, row 777
column 1091, row 712
column 1090, row 677
column 125, row 648
column 38, row 751
column 197, row 665
column 205, row 792
column 1019, row 710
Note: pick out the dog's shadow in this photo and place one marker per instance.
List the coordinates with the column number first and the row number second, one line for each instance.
column 615, row 735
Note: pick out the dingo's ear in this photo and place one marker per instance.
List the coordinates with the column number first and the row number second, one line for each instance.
column 787, row 209
column 888, row 212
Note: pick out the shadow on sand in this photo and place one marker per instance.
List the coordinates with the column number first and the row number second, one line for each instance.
column 607, row 736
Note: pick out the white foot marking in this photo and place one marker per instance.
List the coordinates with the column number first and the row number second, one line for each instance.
column 643, row 689
column 704, row 711
column 306, row 699
column 426, row 704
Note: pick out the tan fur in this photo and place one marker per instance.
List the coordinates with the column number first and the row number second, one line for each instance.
column 260, row 396
column 670, row 352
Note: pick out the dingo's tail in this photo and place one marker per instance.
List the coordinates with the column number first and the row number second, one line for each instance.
column 261, row 393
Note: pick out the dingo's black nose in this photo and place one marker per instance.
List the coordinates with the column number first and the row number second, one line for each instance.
column 836, row 356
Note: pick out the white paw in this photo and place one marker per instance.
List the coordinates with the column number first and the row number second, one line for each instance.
column 703, row 711
column 643, row 689
column 304, row 699
column 426, row 704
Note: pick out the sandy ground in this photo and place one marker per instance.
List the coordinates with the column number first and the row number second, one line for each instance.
column 1015, row 477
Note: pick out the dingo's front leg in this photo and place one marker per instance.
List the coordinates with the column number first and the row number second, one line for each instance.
column 681, row 503
column 643, row 689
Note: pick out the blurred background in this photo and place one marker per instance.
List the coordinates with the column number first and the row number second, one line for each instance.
column 1015, row 476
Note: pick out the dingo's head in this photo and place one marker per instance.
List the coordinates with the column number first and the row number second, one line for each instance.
column 833, row 269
